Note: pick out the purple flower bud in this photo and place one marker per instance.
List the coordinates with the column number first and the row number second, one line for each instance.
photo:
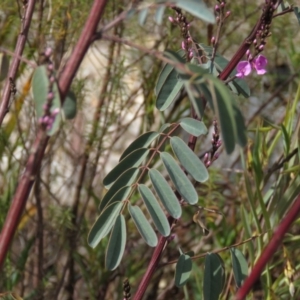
column 255, row 41
column 48, row 52
column 50, row 67
column 52, row 79
column 217, row 8
column 171, row 19
column 50, row 96
column 183, row 45
column 191, row 54
column 228, row 13
column 213, row 40
column 55, row 112
column 222, row 4
column 216, row 156
column 261, row 47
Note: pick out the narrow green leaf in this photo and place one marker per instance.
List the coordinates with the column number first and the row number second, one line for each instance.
column 134, row 159
column 240, row 266
column 180, row 180
column 169, row 93
column 159, row 14
column 143, row 226
column 163, row 77
column 194, row 94
column 189, row 160
column 116, row 245
column 159, row 218
column 143, row 16
column 124, row 180
column 120, row 195
column 214, row 277
column 192, row 126
column 143, row 141
column 178, row 56
column 104, row 223
column 40, row 89
column 4, row 66
column 183, row 270
column 70, row 106
column 297, row 13
column 225, row 112
column 165, row 194
column 241, row 129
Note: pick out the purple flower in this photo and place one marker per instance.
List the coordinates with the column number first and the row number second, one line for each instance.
column 260, row 63
column 243, row 69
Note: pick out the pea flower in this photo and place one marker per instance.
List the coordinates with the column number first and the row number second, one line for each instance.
column 244, row 68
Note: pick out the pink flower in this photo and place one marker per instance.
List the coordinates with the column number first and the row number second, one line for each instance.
column 260, row 63
column 244, row 67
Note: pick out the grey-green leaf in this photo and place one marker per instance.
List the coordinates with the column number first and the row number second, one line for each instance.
column 240, row 266
column 143, row 16
column 159, row 218
column 192, row 126
column 124, row 180
column 165, row 194
column 134, row 159
column 180, row 180
column 143, row 141
column 159, row 14
column 189, row 160
column 70, row 106
column 143, row 226
column 120, row 195
column 104, row 223
column 214, row 277
column 183, row 270
column 116, row 245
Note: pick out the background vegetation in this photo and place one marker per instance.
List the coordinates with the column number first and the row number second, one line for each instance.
column 246, row 196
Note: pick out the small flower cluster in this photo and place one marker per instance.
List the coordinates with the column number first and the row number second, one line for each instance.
column 49, row 116
column 220, row 12
column 184, row 26
column 244, row 67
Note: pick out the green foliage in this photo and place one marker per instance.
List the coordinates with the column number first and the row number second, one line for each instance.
column 239, row 266
column 183, row 270
column 214, row 277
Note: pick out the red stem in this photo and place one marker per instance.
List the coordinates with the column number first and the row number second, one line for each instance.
column 270, row 249
column 32, row 166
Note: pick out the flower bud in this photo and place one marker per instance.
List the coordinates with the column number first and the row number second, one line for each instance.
column 171, row 19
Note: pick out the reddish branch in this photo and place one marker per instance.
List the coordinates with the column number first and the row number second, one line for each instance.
column 270, row 249
column 32, row 166
column 16, row 58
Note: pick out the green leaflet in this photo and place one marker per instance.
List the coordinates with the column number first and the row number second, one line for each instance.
column 121, row 187
column 183, row 270
column 134, row 159
column 180, row 180
column 239, row 265
column 116, row 244
column 143, row 225
column 143, row 141
column 70, row 106
column 189, row 160
column 158, row 216
column 104, row 223
column 165, row 194
column 192, row 126
column 214, row 277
